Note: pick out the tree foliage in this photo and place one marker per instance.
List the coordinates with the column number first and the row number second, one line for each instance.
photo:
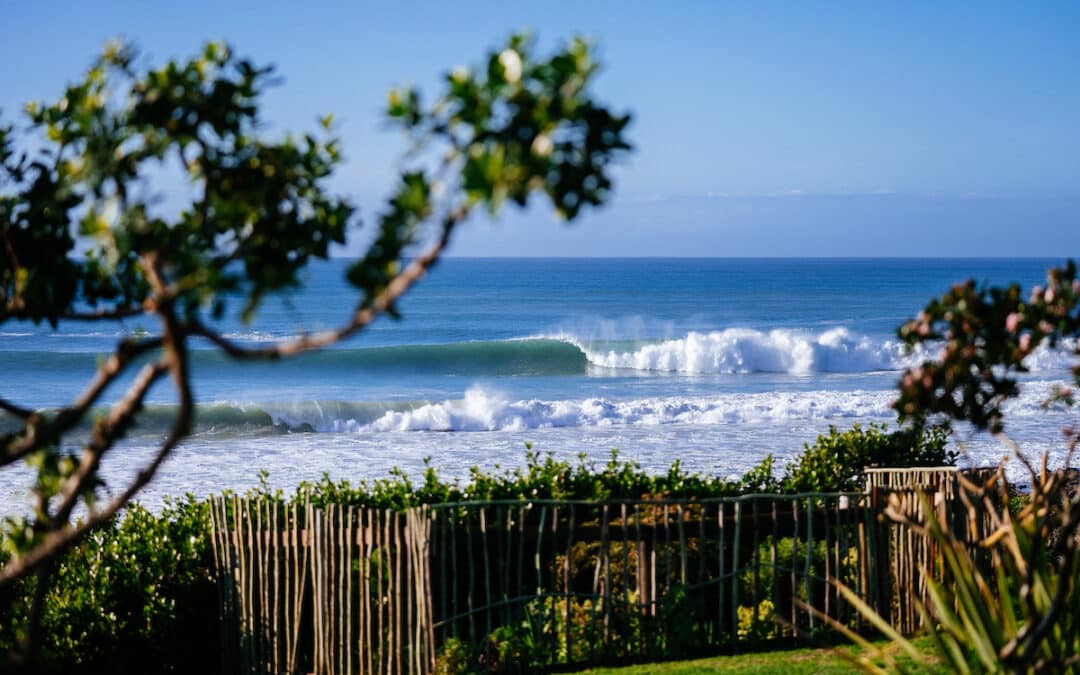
column 985, row 334
column 84, row 238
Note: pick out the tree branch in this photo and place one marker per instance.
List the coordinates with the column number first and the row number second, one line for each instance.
column 363, row 316
column 105, row 434
column 16, row 410
column 41, row 430
column 59, row 540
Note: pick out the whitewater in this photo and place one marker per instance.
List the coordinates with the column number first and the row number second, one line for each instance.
column 713, row 362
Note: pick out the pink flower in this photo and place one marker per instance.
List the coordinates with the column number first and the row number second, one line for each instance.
column 1012, row 322
column 1025, row 342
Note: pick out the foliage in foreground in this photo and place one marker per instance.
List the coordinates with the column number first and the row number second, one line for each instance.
column 135, row 596
column 1011, row 603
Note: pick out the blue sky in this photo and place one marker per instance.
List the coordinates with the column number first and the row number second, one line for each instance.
column 761, row 128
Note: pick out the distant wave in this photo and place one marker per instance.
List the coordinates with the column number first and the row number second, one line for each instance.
column 743, row 350
column 731, row 351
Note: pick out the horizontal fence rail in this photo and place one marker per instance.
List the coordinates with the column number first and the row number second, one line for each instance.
column 532, row 585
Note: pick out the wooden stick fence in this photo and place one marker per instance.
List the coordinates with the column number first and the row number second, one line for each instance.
column 907, row 557
column 542, row 583
column 336, row 590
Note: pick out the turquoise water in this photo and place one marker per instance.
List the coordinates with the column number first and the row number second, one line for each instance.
column 713, row 361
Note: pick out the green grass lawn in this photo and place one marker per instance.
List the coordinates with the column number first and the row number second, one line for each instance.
column 786, row 662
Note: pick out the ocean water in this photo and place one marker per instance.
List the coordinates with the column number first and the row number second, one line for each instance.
column 714, row 362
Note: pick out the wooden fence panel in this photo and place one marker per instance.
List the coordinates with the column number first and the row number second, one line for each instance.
column 335, row 590
column 546, row 583
column 907, row 558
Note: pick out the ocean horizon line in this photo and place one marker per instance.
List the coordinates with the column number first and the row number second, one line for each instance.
column 745, row 257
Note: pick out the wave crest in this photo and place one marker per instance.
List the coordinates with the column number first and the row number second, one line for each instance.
column 743, row 350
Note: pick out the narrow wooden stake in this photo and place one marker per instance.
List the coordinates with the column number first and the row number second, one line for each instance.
column 735, row 545
column 411, row 617
column 503, row 577
column 606, row 557
column 774, row 536
column 472, row 578
column 756, row 558
column 567, row 580
column 455, row 597
column 398, row 613
column 701, row 546
column 350, row 544
column 828, row 562
column 626, row 562
column 537, row 564
column 276, row 605
column 653, row 599
column 488, row 597
column 682, row 545
column 342, row 597
column 641, row 580
column 809, row 555
column 444, row 562
column 380, row 601
column 720, row 572
column 794, row 556
column 668, row 567
column 368, row 602
column 551, row 592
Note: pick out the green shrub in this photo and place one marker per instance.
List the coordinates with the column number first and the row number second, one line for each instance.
column 134, row 597
column 541, row 477
column 834, row 463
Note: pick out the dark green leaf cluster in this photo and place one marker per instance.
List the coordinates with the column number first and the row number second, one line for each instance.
column 522, row 124
column 985, row 333
column 36, row 274
column 137, row 595
column 519, row 125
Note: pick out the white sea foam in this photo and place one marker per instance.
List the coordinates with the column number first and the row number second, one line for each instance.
column 1044, row 359
column 744, row 350
column 483, row 409
column 797, row 352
